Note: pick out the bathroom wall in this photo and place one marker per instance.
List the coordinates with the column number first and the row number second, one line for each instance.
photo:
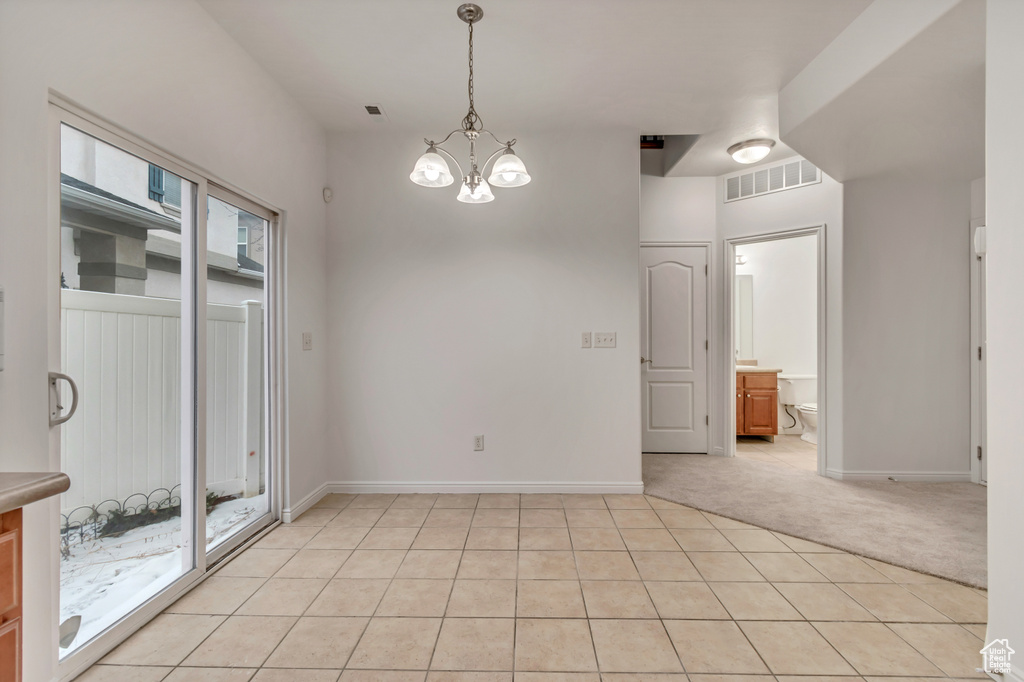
column 785, row 300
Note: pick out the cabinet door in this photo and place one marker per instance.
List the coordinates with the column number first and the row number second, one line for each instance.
column 10, row 651
column 10, row 567
column 760, row 411
column 740, row 421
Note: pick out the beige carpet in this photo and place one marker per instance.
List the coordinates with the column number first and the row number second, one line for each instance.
column 935, row 528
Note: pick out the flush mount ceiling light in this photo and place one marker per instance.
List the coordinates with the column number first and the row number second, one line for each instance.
column 431, row 170
column 751, row 151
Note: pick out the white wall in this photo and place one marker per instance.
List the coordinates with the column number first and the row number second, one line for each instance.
column 907, row 321
column 677, row 209
column 785, row 275
column 449, row 320
column 209, row 104
column 1004, row 210
column 807, row 206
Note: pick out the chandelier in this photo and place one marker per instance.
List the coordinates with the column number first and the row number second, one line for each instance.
column 508, row 170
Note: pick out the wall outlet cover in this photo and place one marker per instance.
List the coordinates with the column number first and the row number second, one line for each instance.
column 587, row 340
column 307, row 340
column 604, row 339
column 478, row 443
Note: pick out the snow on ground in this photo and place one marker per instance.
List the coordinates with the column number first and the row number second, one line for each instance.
column 102, row 580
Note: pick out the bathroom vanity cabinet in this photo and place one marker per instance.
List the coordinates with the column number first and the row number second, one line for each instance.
column 757, row 399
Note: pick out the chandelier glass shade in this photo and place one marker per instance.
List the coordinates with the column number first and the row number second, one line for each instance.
column 480, row 194
column 508, row 170
column 431, row 170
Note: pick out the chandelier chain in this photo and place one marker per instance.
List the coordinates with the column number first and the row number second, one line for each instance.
column 472, row 121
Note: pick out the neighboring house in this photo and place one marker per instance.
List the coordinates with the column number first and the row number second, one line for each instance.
column 121, row 219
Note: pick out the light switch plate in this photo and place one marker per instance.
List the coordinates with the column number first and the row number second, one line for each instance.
column 587, row 343
column 307, row 340
column 604, row 339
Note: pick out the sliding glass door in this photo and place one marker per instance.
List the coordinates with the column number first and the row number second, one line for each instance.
column 236, row 365
column 121, row 342
column 164, row 331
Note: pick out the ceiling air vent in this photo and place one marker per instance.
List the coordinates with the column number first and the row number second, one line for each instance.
column 776, row 178
column 376, row 112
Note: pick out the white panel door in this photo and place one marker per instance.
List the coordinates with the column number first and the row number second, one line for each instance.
column 673, row 344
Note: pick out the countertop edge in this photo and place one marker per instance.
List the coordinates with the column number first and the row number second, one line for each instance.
column 20, row 488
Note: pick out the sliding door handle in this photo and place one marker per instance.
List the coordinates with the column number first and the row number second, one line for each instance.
column 56, row 418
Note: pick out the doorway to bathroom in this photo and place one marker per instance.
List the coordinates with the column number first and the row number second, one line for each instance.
column 775, row 316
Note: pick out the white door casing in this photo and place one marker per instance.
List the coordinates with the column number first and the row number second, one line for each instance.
column 673, row 343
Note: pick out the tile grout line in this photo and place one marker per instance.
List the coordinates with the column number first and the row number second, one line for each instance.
column 579, row 580
column 440, row 627
column 827, row 581
column 226, row 618
column 278, row 645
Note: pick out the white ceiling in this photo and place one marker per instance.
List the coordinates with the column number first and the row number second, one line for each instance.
column 708, row 67
column 922, row 111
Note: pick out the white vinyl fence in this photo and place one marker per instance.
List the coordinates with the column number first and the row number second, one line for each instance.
column 124, row 352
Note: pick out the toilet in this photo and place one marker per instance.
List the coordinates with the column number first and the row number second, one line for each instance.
column 809, row 420
column 801, row 391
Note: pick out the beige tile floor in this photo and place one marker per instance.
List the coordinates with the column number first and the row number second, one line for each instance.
column 787, row 451
column 550, row 588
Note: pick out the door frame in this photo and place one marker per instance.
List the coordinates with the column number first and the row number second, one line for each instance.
column 710, row 329
column 978, row 364
column 729, row 366
column 193, row 415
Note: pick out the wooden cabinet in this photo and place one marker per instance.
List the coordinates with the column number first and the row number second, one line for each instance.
column 757, row 399
column 10, row 596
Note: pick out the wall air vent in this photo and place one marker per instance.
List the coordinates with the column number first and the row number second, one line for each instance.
column 789, row 175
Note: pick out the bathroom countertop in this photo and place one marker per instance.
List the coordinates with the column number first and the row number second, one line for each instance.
column 19, row 489
column 748, row 369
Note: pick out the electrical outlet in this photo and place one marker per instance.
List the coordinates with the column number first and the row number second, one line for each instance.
column 478, row 443
column 307, row 340
column 604, row 339
column 587, row 340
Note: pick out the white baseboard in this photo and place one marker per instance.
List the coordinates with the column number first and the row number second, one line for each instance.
column 718, row 451
column 598, row 487
column 915, row 476
column 1016, row 674
column 296, row 510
